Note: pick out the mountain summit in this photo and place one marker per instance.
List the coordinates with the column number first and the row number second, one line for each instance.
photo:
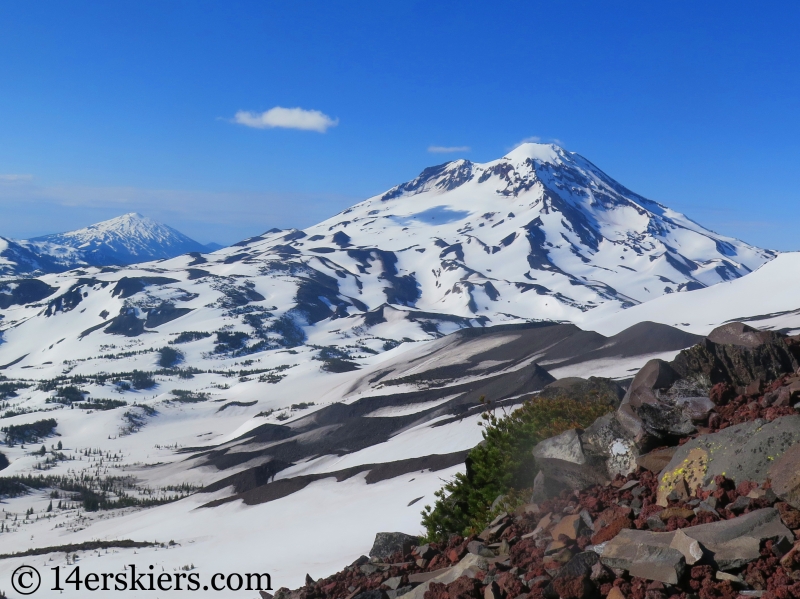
column 127, row 239
column 540, row 219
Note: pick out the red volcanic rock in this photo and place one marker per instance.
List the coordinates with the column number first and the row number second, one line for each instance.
column 612, row 530
column 437, row 590
column 721, row 393
column 463, row 588
column 510, row 585
column 573, row 587
column 789, row 515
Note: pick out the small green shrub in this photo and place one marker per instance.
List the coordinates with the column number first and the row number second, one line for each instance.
column 503, row 462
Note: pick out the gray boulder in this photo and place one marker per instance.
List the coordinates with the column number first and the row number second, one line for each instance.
column 564, row 463
column 388, row 543
column 607, row 439
column 743, row 452
column 645, row 554
column 650, row 410
column 729, row 544
column 785, row 476
column 478, row 548
column 738, row 333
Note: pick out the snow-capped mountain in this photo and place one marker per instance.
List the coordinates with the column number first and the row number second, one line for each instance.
column 120, row 241
column 479, row 238
column 127, row 239
column 352, row 315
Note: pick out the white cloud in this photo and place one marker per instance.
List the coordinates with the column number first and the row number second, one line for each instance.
column 12, row 177
column 447, row 149
column 286, row 118
column 535, row 139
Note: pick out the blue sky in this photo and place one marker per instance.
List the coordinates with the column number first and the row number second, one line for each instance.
column 108, row 108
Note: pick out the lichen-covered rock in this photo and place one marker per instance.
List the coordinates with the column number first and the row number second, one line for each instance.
column 742, row 452
column 606, row 438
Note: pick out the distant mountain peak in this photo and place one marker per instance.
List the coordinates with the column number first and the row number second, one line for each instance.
column 126, row 239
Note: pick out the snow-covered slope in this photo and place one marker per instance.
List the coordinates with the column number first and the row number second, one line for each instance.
column 766, row 299
column 259, row 462
column 24, row 258
column 127, row 239
column 354, row 316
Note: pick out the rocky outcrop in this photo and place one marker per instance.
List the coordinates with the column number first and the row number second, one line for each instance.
column 576, row 459
column 711, row 384
column 737, row 354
